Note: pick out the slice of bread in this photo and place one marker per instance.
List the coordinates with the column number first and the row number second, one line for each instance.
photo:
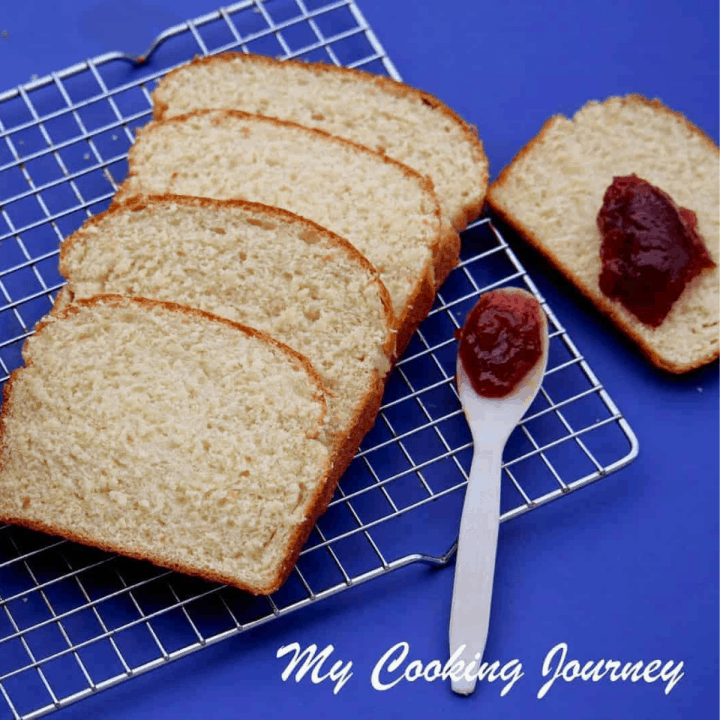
column 383, row 114
column 387, row 211
column 553, row 190
column 258, row 266
column 167, row 434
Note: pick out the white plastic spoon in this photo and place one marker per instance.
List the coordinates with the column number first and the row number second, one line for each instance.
column 491, row 421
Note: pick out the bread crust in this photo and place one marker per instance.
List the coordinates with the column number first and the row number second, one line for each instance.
column 448, row 256
column 610, row 309
column 388, row 85
column 444, row 248
column 321, row 497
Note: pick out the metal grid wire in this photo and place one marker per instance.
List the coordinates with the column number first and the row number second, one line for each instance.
column 75, row 620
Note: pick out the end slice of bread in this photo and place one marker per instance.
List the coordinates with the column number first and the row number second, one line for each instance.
column 258, row 266
column 553, row 190
column 386, row 210
column 385, row 115
column 167, row 434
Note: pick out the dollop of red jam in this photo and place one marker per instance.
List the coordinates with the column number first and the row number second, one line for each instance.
column 650, row 249
column 500, row 342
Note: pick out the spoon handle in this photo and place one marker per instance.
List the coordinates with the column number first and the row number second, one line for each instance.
column 475, row 565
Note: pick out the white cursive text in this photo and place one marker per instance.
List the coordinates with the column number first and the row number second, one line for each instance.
column 389, row 670
column 556, row 666
column 338, row 672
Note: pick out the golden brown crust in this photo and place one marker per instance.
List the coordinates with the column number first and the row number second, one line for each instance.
column 388, row 85
column 62, row 300
column 657, row 104
column 446, row 259
column 606, row 307
column 449, row 256
column 419, row 305
column 520, row 155
column 119, row 549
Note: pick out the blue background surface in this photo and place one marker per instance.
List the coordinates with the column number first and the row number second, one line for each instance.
column 626, row 568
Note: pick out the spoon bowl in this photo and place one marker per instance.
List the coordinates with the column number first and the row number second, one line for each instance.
column 491, row 421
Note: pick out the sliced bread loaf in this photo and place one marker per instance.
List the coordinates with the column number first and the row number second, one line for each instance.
column 259, row 266
column 383, row 114
column 387, row 211
column 553, row 190
column 168, row 434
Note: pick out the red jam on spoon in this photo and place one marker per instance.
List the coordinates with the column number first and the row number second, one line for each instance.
column 500, row 342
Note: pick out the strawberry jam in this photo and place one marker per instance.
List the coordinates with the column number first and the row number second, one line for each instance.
column 650, row 249
column 500, row 342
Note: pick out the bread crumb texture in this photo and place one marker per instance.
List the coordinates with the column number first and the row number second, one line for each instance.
column 382, row 114
column 165, row 434
column 254, row 265
column 389, row 213
column 554, row 188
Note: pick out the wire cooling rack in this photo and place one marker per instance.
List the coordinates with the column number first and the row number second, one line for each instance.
column 75, row 620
